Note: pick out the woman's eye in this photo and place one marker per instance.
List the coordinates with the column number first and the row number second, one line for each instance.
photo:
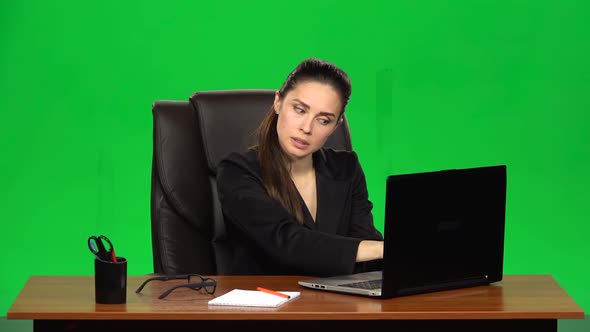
column 299, row 110
column 324, row 121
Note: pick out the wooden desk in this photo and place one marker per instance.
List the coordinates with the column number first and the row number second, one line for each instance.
column 518, row 303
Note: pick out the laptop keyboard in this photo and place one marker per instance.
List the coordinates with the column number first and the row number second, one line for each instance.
column 368, row 284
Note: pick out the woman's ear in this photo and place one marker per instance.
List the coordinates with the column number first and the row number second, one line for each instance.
column 277, row 102
column 338, row 123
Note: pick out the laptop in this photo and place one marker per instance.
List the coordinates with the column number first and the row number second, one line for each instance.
column 443, row 230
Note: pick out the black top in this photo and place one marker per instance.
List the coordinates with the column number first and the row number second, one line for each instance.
column 267, row 239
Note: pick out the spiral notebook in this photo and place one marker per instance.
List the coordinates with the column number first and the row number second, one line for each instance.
column 252, row 298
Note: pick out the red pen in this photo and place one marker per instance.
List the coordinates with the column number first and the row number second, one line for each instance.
column 113, row 256
column 273, row 292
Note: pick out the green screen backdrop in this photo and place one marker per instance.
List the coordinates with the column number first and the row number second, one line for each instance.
column 436, row 85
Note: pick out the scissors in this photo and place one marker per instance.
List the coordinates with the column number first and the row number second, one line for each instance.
column 98, row 248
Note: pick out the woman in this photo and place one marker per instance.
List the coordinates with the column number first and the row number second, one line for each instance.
column 290, row 205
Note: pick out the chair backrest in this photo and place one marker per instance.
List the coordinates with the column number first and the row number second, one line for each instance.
column 189, row 140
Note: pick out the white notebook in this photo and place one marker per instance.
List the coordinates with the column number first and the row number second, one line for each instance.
column 252, row 298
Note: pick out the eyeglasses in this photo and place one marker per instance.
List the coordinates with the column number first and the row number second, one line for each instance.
column 207, row 283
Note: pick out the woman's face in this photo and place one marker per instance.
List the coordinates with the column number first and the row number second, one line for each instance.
column 307, row 116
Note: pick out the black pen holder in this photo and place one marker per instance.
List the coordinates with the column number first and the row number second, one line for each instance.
column 110, row 281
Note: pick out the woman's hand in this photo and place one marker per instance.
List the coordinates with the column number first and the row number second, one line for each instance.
column 369, row 250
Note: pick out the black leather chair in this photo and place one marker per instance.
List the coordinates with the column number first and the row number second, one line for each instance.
column 189, row 139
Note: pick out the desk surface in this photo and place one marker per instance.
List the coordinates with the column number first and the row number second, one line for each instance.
column 72, row 297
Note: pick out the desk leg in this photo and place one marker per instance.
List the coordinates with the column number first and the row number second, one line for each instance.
column 475, row 325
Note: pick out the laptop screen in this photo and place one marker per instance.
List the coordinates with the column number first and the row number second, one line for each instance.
column 444, row 226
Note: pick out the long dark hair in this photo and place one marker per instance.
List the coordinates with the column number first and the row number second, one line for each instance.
column 273, row 162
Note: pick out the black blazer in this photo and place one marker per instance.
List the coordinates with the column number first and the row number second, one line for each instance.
column 267, row 239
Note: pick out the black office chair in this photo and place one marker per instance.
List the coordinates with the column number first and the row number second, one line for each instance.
column 189, row 139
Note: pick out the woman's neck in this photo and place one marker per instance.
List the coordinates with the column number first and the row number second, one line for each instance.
column 301, row 166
